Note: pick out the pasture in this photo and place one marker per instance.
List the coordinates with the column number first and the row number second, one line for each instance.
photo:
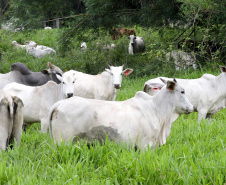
column 194, row 153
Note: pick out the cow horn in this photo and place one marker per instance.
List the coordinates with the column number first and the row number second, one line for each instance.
column 50, row 65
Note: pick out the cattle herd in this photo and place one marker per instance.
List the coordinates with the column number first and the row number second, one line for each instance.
column 74, row 105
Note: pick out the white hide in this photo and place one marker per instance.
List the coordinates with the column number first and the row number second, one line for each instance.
column 38, row 100
column 136, row 44
column 207, row 94
column 11, row 114
column 141, row 121
column 103, row 86
column 38, row 51
column 83, row 46
column 182, row 59
column 48, row 28
column 17, row 45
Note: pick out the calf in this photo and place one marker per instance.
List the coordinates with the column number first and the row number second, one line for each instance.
column 136, row 44
column 11, row 114
column 38, row 100
column 142, row 120
column 207, row 94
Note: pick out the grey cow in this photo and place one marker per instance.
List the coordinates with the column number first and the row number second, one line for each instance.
column 20, row 73
column 136, row 44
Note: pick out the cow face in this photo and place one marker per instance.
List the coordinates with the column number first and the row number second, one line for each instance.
column 132, row 39
column 116, row 73
column 67, row 81
column 182, row 104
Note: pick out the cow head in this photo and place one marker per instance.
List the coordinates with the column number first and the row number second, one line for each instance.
column 132, row 39
column 182, row 104
column 31, row 43
column 67, row 82
column 116, row 73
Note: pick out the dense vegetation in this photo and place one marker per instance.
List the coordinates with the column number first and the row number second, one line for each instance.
column 194, row 152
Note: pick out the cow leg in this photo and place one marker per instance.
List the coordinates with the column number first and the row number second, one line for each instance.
column 5, row 124
column 25, row 126
column 17, row 119
column 3, row 138
column 202, row 114
column 44, row 125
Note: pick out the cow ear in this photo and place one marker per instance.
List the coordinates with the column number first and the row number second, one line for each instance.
column 127, row 71
column 46, row 72
column 174, row 79
column 146, row 88
column 108, row 70
column 135, row 37
column 170, row 85
column 223, row 69
column 163, row 80
column 59, row 78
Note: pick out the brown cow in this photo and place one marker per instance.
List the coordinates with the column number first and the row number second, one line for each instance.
column 116, row 32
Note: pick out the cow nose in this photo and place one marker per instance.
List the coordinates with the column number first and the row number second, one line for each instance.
column 117, row 86
column 69, row 95
column 132, row 44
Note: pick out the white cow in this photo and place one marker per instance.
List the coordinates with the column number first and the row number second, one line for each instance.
column 182, row 59
column 207, row 94
column 83, row 46
column 48, row 28
column 103, row 86
column 142, row 120
column 38, row 100
column 11, row 119
column 136, row 44
column 38, row 51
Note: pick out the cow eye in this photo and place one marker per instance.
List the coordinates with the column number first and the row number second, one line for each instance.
column 73, row 82
column 182, row 92
column 63, row 83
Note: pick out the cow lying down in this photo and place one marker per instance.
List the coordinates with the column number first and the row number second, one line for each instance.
column 38, row 100
column 141, row 121
column 11, row 119
column 207, row 94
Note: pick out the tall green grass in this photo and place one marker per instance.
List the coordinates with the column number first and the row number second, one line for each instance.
column 194, row 153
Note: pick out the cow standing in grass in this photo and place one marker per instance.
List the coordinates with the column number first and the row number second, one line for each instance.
column 38, row 100
column 207, row 94
column 142, row 120
column 136, row 44
column 20, row 73
column 103, row 86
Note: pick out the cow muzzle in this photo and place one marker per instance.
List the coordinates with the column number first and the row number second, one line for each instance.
column 189, row 110
column 117, row 86
column 69, row 95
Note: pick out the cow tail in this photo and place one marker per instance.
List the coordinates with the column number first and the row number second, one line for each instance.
column 52, row 109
